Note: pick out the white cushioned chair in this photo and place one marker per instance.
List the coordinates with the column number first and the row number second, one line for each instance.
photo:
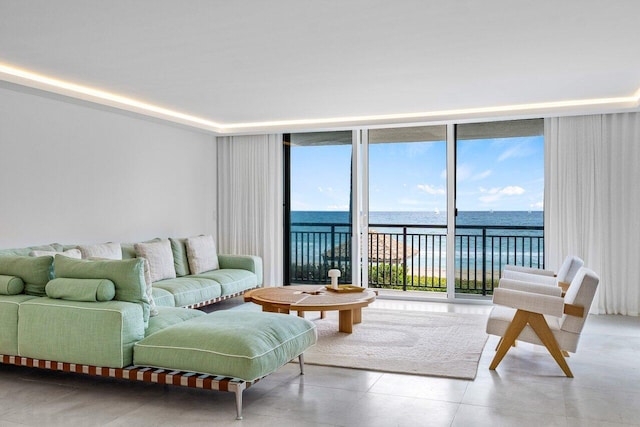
column 565, row 275
column 538, row 314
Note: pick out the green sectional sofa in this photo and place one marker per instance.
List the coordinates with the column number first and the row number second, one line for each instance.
column 95, row 317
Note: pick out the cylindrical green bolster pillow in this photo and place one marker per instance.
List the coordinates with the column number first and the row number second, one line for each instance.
column 89, row 290
column 11, row 285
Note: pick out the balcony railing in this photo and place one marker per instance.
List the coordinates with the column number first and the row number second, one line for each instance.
column 413, row 257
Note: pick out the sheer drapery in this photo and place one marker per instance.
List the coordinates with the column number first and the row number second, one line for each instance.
column 592, row 202
column 250, row 200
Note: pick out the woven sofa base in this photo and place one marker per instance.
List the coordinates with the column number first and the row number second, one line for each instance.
column 215, row 300
column 144, row 374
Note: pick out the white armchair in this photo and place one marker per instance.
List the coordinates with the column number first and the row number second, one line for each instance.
column 541, row 316
column 566, row 273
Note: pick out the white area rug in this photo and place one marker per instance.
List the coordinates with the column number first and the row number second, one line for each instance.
column 411, row 342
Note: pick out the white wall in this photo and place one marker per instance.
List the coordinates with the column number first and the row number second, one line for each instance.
column 71, row 173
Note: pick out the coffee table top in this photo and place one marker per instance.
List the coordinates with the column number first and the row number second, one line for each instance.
column 309, row 298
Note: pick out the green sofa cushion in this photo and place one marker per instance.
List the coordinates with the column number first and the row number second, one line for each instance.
column 9, row 305
column 190, row 290
column 242, row 262
column 90, row 333
column 169, row 316
column 180, row 260
column 81, row 289
column 162, row 297
column 34, row 271
column 231, row 281
column 240, row 344
column 11, row 285
column 127, row 275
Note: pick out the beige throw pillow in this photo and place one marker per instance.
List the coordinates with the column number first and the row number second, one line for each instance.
column 106, row 251
column 202, row 255
column 160, row 257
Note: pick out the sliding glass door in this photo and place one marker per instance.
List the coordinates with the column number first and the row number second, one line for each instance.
column 407, row 201
column 317, row 216
column 500, row 190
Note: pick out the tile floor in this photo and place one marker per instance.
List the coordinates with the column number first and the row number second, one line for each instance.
column 528, row 389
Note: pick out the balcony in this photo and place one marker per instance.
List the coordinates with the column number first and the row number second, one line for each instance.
column 413, row 257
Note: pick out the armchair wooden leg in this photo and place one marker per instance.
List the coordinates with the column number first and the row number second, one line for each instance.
column 517, row 325
column 541, row 328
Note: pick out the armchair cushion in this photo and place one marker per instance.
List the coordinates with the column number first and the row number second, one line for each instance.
column 533, row 278
column 520, row 285
column 536, row 303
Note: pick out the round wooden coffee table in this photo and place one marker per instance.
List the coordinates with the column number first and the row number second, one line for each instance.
column 303, row 298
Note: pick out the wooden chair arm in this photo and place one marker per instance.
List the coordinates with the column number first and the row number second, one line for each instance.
column 574, row 310
column 564, row 286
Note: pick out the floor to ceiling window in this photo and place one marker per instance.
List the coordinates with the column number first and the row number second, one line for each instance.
column 441, row 209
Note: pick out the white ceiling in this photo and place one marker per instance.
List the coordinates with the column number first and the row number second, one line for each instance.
column 234, row 62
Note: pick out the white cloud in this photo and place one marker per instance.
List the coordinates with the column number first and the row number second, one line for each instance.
column 325, row 190
column 431, row 190
column 512, row 190
column 482, row 175
column 537, row 205
column 517, row 150
column 338, row 207
column 497, row 193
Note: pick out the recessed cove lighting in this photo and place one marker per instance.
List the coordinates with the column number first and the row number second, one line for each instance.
column 39, row 81
column 66, row 88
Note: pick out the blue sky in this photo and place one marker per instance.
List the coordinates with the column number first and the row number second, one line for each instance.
column 493, row 174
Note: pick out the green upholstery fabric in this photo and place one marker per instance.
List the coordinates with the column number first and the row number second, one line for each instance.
column 239, row 344
column 190, row 290
column 162, row 297
column 11, row 285
column 128, row 251
column 90, row 290
column 56, row 247
column 127, row 275
column 231, row 281
column 180, row 261
column 91, row 333
column 34, row 271
column 9, row 322
column 169, row 316
column 243, row 262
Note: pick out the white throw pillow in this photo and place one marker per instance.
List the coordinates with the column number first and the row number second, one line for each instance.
column 202, row 255
column 71, row 253
column 106, row 251
column 160, row 257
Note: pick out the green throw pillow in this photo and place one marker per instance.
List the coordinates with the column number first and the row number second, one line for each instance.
column 11, row 285
column 127, row 276
column 34, row 271
column 180, row 261
column 90, row 290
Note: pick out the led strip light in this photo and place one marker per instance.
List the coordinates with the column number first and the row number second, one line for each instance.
column 50, row 84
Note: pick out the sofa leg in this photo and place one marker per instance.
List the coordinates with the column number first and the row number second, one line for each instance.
column 301, row 362
column 238, row 404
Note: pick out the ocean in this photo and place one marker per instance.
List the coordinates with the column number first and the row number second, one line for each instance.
column 315, row 233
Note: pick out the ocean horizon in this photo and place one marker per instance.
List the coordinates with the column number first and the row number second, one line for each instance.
column 311, row 236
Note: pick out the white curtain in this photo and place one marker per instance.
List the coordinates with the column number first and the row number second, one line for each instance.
column 249, row 209
column 592, row 202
